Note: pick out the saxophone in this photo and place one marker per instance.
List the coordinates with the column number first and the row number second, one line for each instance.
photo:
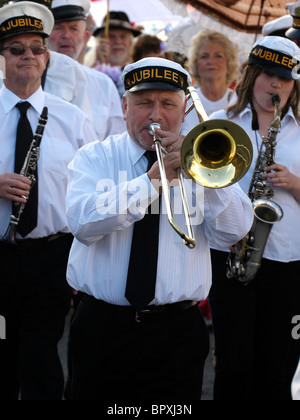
column 245, row 257
column 27, row 170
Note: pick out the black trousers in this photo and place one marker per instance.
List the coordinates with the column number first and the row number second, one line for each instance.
column 115, row 359
column 34, row 299
column 255, row 351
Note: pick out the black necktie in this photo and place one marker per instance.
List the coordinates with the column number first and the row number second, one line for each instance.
column 140, row 288
column 29, row 217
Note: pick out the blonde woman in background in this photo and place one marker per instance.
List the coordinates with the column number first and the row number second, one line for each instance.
column 214, row 67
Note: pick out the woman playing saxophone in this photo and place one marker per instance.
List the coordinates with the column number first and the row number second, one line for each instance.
column 252, row 324
column 245, row 257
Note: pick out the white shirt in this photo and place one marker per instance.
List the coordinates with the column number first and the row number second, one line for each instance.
column 93, row 93
column 105, row 103
column 67, row 80
column 106, row 181
column 66, row 131
column 191, row 120
column 284, row 241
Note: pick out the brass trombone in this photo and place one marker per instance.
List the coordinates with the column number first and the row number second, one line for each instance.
column 189, row 239
column 214, row 154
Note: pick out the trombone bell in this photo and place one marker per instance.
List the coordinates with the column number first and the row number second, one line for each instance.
column 214, row 149
column 216, row 153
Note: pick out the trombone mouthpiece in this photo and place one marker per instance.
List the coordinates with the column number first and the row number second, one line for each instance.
column 152, row 127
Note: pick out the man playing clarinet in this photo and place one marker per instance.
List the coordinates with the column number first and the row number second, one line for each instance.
column 34, row 294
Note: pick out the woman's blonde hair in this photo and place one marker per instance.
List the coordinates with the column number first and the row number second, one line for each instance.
column 231, row 53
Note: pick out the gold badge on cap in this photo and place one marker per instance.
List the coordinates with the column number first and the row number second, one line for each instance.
column 154, row 75
column 18, row 24
column 272, row 57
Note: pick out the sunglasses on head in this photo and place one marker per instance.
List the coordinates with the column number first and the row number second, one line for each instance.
column 21, row 49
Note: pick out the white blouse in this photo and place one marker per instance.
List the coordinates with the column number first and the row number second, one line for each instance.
column 284, row 241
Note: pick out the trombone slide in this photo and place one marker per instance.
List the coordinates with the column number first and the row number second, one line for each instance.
column 189, row 239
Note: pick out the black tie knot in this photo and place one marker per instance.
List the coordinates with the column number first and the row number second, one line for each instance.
column 23, row 107
column 151, row 157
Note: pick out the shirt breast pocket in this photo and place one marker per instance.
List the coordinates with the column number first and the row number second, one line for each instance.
column 55, row 156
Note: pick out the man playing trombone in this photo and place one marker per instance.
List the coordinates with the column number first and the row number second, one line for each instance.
column 138, row 333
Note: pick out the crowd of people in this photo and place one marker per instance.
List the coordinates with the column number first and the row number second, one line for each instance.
column 84, row 225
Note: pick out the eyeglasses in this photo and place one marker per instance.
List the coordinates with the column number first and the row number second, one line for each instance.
column 21, row 49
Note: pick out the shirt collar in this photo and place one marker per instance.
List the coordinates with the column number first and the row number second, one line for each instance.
column 291, row 115
column 248, row 110
column 136, row 151
column 9, row 100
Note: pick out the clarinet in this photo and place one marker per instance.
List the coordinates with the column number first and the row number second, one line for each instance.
column 28, row 169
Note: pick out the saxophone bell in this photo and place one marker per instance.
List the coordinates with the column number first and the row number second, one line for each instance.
column 267, row 211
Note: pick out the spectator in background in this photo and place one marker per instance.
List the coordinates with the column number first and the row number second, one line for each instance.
column 214, row 66
column 146, row 46
column 68, row 37
column 89, row 30
column 116, row 49
column 112, row 54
